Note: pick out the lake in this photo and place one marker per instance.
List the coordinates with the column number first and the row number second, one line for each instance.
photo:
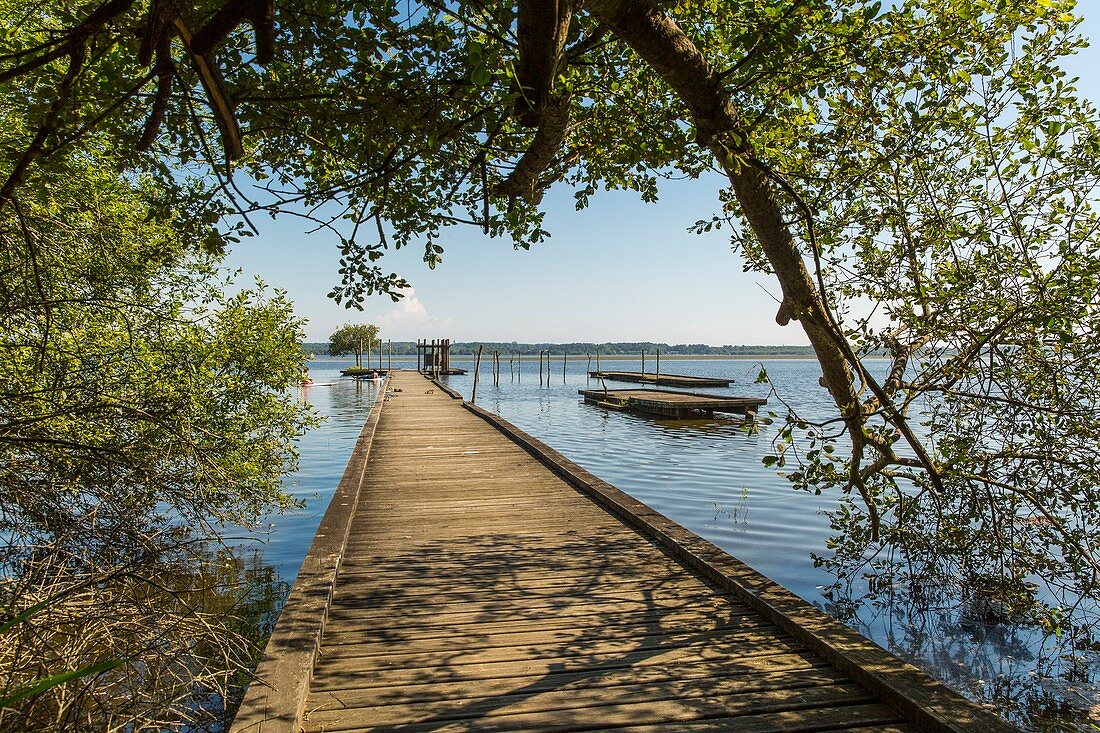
column 708, row 476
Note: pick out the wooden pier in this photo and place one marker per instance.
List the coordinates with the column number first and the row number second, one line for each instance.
column 670, row 380
column 469, row 578
column 666, row 403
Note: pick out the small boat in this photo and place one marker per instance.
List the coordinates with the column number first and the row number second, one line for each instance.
column 305, row 383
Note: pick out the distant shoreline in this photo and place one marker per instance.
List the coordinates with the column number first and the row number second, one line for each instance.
column 613, row 351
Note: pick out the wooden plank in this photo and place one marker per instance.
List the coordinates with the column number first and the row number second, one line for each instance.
column 818, row 719
column 530, row 635
column 721, row 640
column 580, row 692
column 672, row 380
column 612, row 679
column 465, row 630
column 346, row 673
column 621, row 712
column 671, row 403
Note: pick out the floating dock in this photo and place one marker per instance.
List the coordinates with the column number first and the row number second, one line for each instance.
column 670, row 380
column 467, row 577
column 667, row 403
column 361, row 372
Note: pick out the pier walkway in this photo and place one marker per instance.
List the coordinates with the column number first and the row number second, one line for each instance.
column 468, row 578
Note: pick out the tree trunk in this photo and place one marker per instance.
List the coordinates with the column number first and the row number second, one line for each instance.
column 655, row 37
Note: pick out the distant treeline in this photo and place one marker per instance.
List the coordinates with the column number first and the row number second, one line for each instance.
column 459, row 348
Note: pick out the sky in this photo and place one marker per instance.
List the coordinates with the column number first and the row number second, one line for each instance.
column 621, row 270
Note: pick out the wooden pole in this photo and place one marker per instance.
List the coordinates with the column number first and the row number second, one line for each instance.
column 564, row 363
column 418, row 355
column 658, row 366
column 597, row 360
column 477, row 371
column 389, row 355
column 643, row 362
column 519, row 367
column 540, row 367
column 359, row 355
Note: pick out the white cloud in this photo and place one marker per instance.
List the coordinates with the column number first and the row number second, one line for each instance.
column 409, row 320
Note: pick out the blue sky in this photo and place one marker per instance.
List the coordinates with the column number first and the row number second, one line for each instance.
column 621, row 270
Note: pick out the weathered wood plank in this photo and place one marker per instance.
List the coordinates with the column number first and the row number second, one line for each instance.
column 672, row 380
column 620, row 712
column 566, row 681
column 581, row 692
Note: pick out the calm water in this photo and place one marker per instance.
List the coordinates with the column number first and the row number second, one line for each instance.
column 708, row 476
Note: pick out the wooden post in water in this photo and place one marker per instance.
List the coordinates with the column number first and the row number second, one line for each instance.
column 564, row 363
column 477, row 371
column 658, row 366
column 643, row 362
column 389, row 355
column 519, row 367
column 418, row 354
column 540, row 367
column 597, row 360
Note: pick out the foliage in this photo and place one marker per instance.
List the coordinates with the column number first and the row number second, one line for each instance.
column 352, row 339
column 142, row 408
column 155, row 640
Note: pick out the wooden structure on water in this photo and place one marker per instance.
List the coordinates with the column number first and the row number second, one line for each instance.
column 667, row 403
column 671, row 380
column 434, row 357
column 467, row 577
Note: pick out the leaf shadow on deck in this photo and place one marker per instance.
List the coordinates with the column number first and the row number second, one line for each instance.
column 555, row 632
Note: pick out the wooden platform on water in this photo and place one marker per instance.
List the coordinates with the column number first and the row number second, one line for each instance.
column 466, row 577
column 667, row 403
column 670, row 380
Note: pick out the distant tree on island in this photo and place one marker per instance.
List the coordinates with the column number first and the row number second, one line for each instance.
column 352, row 339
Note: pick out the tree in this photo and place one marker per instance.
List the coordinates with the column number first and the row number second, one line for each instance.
column 352, row 339
column 143, row 412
